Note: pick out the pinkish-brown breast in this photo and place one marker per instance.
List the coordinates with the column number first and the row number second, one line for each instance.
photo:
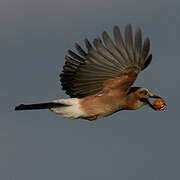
column 101, row 104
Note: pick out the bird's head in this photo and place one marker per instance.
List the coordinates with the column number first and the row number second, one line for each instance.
column 144, row 95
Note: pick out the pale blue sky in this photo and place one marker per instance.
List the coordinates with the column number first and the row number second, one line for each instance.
column 34, row 38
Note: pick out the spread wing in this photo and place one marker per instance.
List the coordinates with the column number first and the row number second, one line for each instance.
column 106, row 65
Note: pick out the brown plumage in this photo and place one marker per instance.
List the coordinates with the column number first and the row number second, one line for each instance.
column 99, row 81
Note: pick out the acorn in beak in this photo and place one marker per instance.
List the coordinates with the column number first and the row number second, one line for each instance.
column 158, row 105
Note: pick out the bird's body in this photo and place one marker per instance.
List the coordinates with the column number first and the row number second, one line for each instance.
column 99, row 81
column 97, row 106
column 106, row 104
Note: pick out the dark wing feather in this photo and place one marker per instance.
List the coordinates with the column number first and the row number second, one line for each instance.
column 105, row 65
column 129, row 42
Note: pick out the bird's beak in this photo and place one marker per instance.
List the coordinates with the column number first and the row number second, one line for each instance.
column 154, row 96
column 146, row 100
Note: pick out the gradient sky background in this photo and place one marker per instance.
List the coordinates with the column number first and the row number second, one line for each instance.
column 38, row 145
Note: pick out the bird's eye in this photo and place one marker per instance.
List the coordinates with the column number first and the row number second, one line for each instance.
column 144, row 92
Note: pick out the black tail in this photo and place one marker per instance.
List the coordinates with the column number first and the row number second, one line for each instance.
column 38, row 106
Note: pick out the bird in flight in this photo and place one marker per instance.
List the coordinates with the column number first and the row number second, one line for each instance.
column 99, row 80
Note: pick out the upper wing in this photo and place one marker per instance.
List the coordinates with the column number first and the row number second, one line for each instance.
column 106, row 65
